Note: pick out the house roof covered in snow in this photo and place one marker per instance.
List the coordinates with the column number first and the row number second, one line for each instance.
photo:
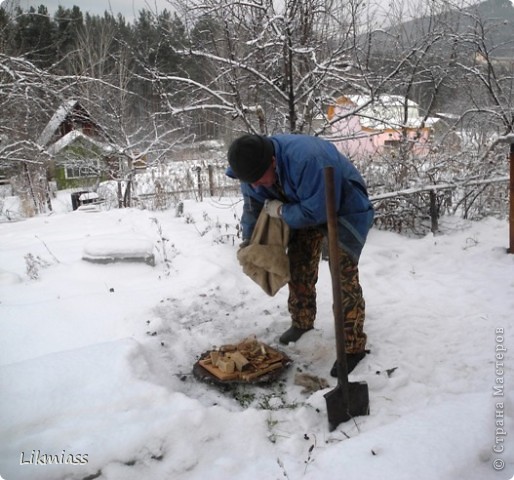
column 384, row 112
column 73, row 112
column 75, row 135
column 57, row 118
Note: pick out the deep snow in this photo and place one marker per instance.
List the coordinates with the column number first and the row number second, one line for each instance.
column 95, row 359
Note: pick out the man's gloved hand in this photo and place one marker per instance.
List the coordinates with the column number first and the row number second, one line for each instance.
column 273, row 208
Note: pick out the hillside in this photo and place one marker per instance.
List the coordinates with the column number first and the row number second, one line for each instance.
column 492, row 19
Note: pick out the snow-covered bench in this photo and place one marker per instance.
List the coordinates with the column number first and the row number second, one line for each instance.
column 126, row 248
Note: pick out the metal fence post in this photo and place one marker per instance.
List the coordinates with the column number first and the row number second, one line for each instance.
column 211, row 180
column 511, row 213
column 200, row 186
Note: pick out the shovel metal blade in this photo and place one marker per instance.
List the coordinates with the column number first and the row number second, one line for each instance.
column 342, row 406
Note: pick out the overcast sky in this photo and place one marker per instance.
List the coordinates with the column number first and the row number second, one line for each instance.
column 130, row 8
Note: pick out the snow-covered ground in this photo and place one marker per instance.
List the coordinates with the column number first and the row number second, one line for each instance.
column 96, row 359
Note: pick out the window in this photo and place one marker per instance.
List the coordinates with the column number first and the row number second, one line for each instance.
column 391, row 144
column 82, row 170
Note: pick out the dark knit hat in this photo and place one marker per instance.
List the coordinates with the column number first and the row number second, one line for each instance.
column 250, row 156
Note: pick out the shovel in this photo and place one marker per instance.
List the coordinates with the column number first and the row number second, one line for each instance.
column 346, row 400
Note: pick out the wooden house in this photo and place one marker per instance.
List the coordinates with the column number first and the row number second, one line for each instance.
column 81, row 151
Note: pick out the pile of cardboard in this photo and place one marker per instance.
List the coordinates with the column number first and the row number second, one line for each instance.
column 244, row 361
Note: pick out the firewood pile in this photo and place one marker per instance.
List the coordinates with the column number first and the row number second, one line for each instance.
column 245, row 361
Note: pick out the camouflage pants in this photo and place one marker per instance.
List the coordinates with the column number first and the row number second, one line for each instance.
column 304, row 253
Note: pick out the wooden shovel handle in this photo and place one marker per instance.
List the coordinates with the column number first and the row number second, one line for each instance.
column 334, row 261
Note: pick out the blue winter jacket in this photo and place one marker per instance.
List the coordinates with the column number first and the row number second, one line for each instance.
column 300, row 160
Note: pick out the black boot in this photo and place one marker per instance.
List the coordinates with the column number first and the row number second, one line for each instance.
column 352, row 359
column 292, row 335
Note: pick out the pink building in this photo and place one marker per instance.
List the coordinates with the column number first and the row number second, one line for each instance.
column 376, row 126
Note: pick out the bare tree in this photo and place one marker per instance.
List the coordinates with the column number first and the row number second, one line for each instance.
column 26, row 92
column 106, row 81
column 272, row 66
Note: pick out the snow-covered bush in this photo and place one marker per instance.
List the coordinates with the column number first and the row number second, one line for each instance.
column 410, row 194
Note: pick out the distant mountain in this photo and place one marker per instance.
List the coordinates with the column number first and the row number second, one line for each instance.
column 496, row 17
